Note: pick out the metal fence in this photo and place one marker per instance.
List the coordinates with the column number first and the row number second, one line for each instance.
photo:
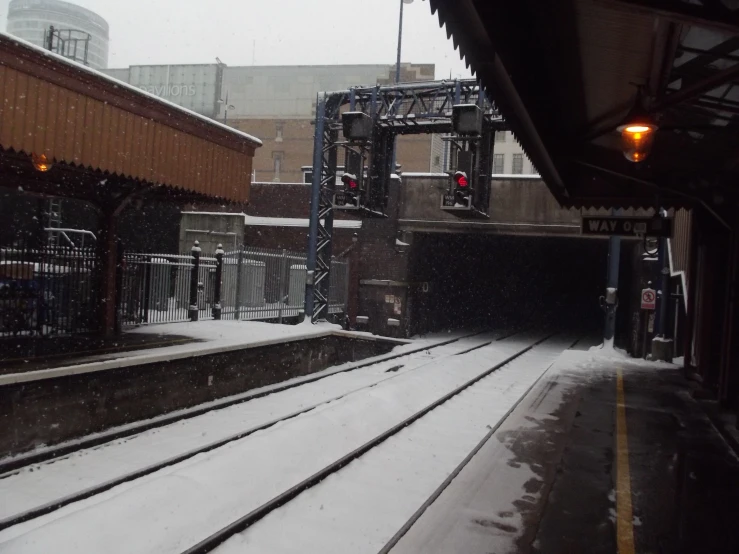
column 256, row 284
column 47, row 291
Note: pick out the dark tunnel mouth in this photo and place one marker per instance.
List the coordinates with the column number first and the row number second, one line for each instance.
column 501, row 282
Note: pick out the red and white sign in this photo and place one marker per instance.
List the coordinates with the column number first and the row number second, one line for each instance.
column 648, row 299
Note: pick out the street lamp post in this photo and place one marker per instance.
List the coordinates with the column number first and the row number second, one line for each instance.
column 397, row 73
column 226, row 107
column 400, row 39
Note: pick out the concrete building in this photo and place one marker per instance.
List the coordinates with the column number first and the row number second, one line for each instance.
column 31, row 19
column 196, row 87
column 508, row 156
column 276, row 103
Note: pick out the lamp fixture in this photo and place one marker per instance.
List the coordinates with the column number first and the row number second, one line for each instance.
column 41, row 162
column 637, row 132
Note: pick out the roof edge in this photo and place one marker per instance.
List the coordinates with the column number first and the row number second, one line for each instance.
column 35, row 54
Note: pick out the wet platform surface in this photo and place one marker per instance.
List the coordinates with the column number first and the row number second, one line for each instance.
column 551, row 479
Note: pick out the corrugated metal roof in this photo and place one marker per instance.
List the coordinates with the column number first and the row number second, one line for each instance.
column 78, row 117
column 577, row 81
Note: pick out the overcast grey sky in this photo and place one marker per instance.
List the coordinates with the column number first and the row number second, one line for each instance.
column 286, row 32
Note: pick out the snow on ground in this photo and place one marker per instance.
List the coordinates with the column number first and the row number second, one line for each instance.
column 607, row 350
column 359, row 508
column 176, row 507
column 43, row 483
column 216, row 337
column 432, row 340
column 601, row 359
column 487, row 507
column 230, row 331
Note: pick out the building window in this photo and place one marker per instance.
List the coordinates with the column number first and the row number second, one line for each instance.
column 277, row 159
column 278, row 131
column 517, row 163
column 498, row 164
column 500, row 136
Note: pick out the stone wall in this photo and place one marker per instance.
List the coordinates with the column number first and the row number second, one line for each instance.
column 55, row 410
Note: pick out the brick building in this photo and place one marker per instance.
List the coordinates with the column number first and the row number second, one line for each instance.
column 277, row 104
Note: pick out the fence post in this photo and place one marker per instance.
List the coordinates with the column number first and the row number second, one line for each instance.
column 347, row 277
column 237, row 307
column 281, row 284
column 147, row 288
column 217, row 284
column 121, row 265
column 194, row 272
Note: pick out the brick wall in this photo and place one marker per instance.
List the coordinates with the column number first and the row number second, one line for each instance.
column 292, row 238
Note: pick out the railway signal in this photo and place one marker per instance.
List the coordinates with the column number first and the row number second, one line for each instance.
column 351, row 195
column 351, row 189
column 462, row 191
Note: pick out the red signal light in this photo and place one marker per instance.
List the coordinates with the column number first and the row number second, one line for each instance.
column 349, row 181
column 460, row 177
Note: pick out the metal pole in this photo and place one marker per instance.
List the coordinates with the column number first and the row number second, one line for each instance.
column 397, row 80
column 677, row 312
column 614, row 254
column 217, row 285
column 237, row 302
column 195, row 250
column 281, row 280
column 664, row 292
column 400, row 37
column 315, row 199
column 147, row 288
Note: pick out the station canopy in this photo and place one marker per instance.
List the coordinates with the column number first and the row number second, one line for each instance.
column 566, row 74
column 105, row 140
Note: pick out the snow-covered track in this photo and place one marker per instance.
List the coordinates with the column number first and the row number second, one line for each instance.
column 13, row 466
column 213, row 541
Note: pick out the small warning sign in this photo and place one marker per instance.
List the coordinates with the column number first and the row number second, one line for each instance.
column 648, row 299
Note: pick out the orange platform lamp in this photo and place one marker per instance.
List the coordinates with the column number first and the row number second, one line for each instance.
column 41, row 162
column 637, row 132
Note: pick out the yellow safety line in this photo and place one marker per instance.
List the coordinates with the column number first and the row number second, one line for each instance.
column 624, row 515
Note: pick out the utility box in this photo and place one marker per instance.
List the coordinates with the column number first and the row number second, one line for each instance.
column 467, row 119
column 296, row 292
column 356, row 126
column 253, row 275
column 160, row 280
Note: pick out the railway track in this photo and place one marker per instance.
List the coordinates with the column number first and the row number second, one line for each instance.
column 467, row 354
column 216, row 539
column 399, row 361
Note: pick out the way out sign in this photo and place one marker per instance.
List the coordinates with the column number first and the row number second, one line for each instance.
column 627, row 226
column 648, row 299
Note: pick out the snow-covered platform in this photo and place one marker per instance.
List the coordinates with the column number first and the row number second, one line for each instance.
column 604, row 454
column 218, row 359
column 175, row 341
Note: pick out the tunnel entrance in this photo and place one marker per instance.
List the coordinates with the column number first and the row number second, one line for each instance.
column 506, row 282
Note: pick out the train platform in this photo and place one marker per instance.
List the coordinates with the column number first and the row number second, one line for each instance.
column 604, row 454
column 146, row 345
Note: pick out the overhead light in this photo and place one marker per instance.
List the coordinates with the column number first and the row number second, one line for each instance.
column 41, row 162
column 637, row 133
